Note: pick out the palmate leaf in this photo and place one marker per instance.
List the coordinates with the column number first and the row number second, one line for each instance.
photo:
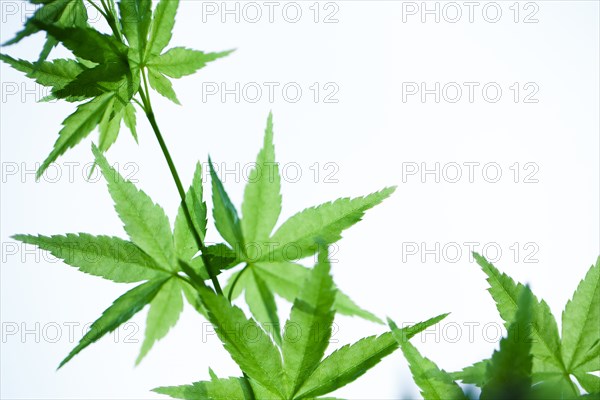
column 546, row 343
column 62, row 13
column 119, row 312
column 311, row 318
column 434, row 382
column 245, row 341
column 271, row 258
column 474, row 374
column 163, row 315
column 509, row 371
column 145, row 222
column 581, row 325
column 108, row 257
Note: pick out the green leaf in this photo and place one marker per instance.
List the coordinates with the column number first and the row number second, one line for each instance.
column 162, row 26
column 262, row 196
column 109, row 257
column 193, row 298
column 226, row 217
column 249, row 346
column 136, row 16
column 347, row 364
column 88, row 43
column 162, row 85
column 581, row 324
column 217, row 389
column 145, row 222
column 311, row 319
column 55, row 74
column 506, row 293
column 408, row 332
column 63, row 13
column 110, row 127
column 325, row 222
column 590, row 383
column 474, row 374
column 180, row 61
column 119, row 312
column 509, row 372
column 130, row 120
column 163, row 315
column 435, row 383
column 107, row 77
column 285, row 279
column 77, row 126
column 261, row 302
column 183, row 235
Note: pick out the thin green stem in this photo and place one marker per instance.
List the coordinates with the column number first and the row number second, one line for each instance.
column 163, row 146
column 98, row 8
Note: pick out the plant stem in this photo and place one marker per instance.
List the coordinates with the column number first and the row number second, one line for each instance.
column 163, row 146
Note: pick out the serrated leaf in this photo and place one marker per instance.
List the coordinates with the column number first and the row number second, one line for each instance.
column 180, row 61
column 311, row 319
column 163, row 315
column 109, row 257
column 217, row 389
column 546, row 344
column 474, row 374
column 136, row 16
column 261, row 303
column 347, row 364
column 106, row 77
column 262, row 196
column 76, row 127
column 249, row 346
column 226, row 217
column 183, row 233
column 325, row 222
column 88, row 43
column 119, row 312
column 162, row 26
column 581, row 323
column 435, row 383
column 285, row 279
column 130, row 120
column 109, row 127
column 162, row 85
column 145, row 222
column 55, row 74
column 63, row 13
column 509, row 371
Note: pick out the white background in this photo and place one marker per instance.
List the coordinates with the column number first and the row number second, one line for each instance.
column 368, row 134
